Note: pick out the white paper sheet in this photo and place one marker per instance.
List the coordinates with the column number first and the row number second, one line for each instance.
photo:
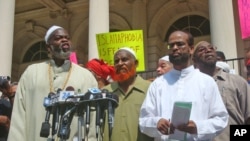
column 180, row 115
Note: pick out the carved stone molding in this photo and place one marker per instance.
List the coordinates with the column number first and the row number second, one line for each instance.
column 131, row 1
column 64, row 13
column 53, row 5
column 29, row 25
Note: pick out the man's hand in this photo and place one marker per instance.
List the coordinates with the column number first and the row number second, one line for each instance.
column 5, row 121
column 190, row 127
column 163, row 126
column 247, row 121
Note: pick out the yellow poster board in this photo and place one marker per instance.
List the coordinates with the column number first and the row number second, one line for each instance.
column 109, row 43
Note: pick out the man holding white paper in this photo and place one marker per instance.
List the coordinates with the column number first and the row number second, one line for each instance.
column 204, row 118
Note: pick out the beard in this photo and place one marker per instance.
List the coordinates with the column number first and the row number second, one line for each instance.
column 208, row 63
column 59, row 53
column 178, row 60
column 124, row 75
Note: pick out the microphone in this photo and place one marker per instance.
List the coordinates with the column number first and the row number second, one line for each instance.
column 86, row 98
column 67, row 96
column 55, row 121
column 70, row 88
column 66, row 115
column 76, row 96
column 66, row 120
column 45, row 129
column 87, row 110
column 87, row 95
column 64, row 98
column 80, row 117
column 58, row 90
column 110, row 108
column 98, row 113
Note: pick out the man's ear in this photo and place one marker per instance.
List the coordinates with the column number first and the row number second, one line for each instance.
column 98, row 77
column 192, row 50
column 47, row 46
column 48, row 50
column 193, row 58
column 136, row 63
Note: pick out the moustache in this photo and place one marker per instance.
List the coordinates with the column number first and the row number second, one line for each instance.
column 122, row 70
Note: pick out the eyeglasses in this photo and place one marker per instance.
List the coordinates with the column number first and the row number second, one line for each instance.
column 178, row 44
column 206, row 48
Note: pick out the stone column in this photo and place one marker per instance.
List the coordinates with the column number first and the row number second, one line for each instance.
column 139, row 22
column 7, row 14
column 223, row 29
column 98, row 23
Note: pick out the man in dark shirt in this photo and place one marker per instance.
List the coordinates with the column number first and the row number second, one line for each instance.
column 5, row 108
column 234, row 90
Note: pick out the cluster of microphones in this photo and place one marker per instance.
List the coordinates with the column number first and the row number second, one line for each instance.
column 64, row 105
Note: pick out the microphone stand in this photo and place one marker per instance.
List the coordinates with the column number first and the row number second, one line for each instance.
column 55, row 121
column 45, row 129
column 87, row 110
column 80, row 121
column 98, row 114
column 110, row 115
column 112, row 104
column 65, row 123
column 54, row 125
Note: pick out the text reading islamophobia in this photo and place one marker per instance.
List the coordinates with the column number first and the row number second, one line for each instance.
column 109, row 43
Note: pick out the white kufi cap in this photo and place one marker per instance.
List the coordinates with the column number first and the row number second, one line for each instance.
column 50, row 31
column 165, row 58
column 223, row 65
column 127, row 49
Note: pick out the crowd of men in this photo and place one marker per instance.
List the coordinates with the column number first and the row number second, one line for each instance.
column 188, row 75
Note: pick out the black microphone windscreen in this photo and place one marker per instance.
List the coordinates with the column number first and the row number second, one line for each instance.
column 70, row 88
column 58, row 90
column 51, row 94
column 115, row 97
column 105, row 91
column 45, row 129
